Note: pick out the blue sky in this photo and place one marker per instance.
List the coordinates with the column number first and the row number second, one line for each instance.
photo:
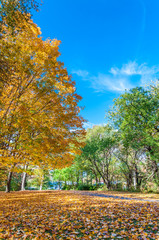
column 106, row 45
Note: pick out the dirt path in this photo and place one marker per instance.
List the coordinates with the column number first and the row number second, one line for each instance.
column 113, row 196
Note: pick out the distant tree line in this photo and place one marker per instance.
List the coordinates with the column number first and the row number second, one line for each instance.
column 125, row 152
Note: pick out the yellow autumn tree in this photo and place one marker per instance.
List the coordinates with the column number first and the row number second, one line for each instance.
column 39, row 113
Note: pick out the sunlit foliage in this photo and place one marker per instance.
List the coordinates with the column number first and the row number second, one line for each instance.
column 39, row 112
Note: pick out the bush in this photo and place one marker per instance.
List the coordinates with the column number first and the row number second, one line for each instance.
column 102, row 188
column 118, row 186
column 94, row 187
column 68, row 187
column 150, row 187
column 83, row 187
column 16, row 182
column 31, row 188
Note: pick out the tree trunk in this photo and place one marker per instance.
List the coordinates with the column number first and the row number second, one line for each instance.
column 135, row 180
column 91, row 180
column 138, row 178
column 41, row 182
column 82, row 178
column 96, row 178
column 8, row 186
column 24, row 175
column 154, row 164
column 93, row 161
column 108, row 184
column 41, row 185
column 87, row 179
column 78, row 180
column 129, row 181
column 97, row 182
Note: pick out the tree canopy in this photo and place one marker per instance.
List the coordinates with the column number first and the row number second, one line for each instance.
column 39, row 112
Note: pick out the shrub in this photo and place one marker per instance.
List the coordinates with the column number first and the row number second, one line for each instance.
column 68, row 187
column 83, row 187
column 150, row 187
column 102, row 188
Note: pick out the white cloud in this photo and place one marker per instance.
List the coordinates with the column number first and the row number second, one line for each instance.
column 112, row 83
column 121, row 79
column 132, row 68
column 80, row 73
column 88, row 125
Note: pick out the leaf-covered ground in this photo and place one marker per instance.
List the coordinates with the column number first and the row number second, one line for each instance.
column 69, row 215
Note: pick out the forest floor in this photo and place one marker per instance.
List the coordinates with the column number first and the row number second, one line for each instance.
column 71, row 215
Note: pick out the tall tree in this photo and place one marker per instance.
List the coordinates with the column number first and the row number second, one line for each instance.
column 39, row 114
column 99, row 149
column 131, row 164
column 135, row 114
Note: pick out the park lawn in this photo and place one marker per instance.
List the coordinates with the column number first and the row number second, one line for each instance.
column 68, row 215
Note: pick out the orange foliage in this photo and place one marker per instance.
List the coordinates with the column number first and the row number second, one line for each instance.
column 39, row 113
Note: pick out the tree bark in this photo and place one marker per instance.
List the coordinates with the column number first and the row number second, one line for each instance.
column 24, row 175
column 8, row 186
column 96, row 178
column 107, row 176
column 77, row 180
column 135, row 180
column 41, row 185
column 82, row 178
column 108, row 184
column 129, row 181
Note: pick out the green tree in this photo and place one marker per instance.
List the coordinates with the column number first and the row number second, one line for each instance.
column 135, row 115
column 99, row 151
column 131, row 164
column 39, row 178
